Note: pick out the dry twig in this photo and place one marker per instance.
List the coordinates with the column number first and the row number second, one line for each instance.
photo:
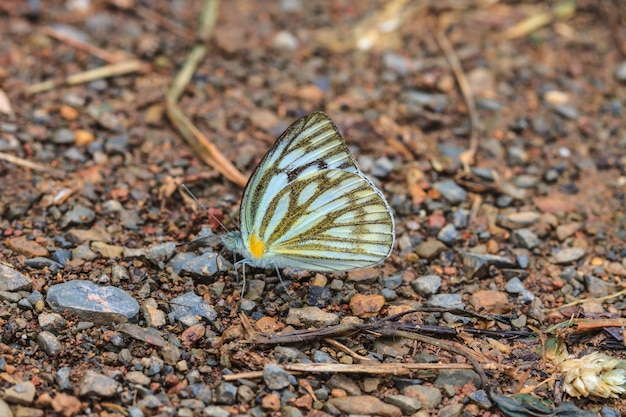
column 107, row 71
column 369, row 368
column 28, row 164
column 110, row 57
column 202, row 146
column 467, row 157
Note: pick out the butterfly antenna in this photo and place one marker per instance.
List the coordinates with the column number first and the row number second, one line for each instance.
column 188, row 191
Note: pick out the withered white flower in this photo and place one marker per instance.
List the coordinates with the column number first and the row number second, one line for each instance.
column 596, row 374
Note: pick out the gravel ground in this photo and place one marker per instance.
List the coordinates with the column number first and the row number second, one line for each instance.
column 503, row 267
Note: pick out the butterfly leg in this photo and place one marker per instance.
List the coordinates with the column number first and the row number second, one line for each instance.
column 243, row 272
column 289, row 293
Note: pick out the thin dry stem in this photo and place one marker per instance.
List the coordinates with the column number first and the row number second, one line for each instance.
column 467, row 157
column 107, row 71
column 369, row 368
column 200, row 144
column 28, row 164
column 110, row 57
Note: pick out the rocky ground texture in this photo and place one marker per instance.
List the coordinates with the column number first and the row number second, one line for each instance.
column 504, row 265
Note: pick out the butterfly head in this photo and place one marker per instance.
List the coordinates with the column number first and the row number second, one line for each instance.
column 233, row 242
column 254, row 249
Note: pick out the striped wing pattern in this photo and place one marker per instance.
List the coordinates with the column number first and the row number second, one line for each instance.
column 310, row 205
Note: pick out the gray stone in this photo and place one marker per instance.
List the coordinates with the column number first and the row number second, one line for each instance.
column 437, row 102
column 13, row 281
column 40, row 263
column 390, row 295
column 527, row 296
column 524, row 238
column 23, row 303
column 180, row 260
column 341, row 381
column 449, row 235
column 446, row 301
column 78, row 215
column 22, row 394
column 12, row 297
column 514, row 286
column 290, row 411
column 457, row 377
column 427, row 285
column 311, row 316
column 192, row 404
column 620, row 71
column 289, row 354
column 276, row 378
column 361, row 405
column 207, row 264
column 138, row 378
column 568, row 255
column 382, row 167
column 322, row 357
column 83, row 253
column 566, row 111
column 430, row 248
column 125, row 357
column 393, row 281
column 190, row 305
column 598, row 288
column 35, row 297
column 91, row 302
column 135, row 412
column 153, row 316
column 526, row 181
column 460, row 218
column 563, row 231
column 429, row 397
column 452, row 410
column 215, row 411
column 226, row 393
column 98, row 385
column 476, row 265
column 408, row 405
column 451, row 191
column 171, row 354
column 52, row 322
column 150, row 402
column 481, row 399
column 63, row 136
column 246, row 305
column 117, row 144
column 147, row 334
column 516, row 155
column 607, row 411
column 245, row 393
column 62, row 378
column 49, row 343
column 519, row 220
column 199, row 391
column 255, row 289
column 158, row 254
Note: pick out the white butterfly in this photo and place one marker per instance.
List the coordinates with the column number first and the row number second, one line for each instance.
column 307, row 205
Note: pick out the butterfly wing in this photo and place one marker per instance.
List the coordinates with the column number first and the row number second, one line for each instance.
column 308, row 205
column 310, row 144
column 330, row 220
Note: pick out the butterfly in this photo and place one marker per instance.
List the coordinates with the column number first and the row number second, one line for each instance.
column 308, row 205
